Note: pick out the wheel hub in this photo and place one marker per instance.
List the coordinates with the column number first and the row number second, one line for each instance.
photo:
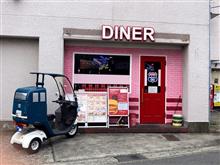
column 34, row 145
column 72, row 131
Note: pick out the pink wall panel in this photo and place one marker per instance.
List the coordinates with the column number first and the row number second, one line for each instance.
column 101, row 79
column 68, row 63
column 173, row 65
column 174, row 75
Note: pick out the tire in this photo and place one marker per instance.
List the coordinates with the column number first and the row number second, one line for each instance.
column 34, row 146
column 72, row 132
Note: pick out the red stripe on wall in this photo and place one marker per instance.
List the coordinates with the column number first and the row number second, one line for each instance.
column 171, row 108
column 174, row 100
column 134, row 115
column 169, row 116
column 133, row 107
column 133, row 99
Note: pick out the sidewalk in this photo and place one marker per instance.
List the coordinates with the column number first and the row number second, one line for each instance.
column 104, row 148
column 215, row 121
column 108, row 148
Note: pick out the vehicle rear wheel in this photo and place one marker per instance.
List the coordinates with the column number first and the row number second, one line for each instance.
column 34, row 146
column 73, row 131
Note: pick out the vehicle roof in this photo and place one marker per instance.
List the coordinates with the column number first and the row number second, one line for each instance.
column 50, row 74
column 30, row 89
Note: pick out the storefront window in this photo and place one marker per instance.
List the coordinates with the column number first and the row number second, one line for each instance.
column 102, row 64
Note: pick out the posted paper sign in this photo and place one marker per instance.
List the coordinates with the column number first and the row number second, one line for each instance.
column 118, row 101
column 152, row 89
column 92, row 107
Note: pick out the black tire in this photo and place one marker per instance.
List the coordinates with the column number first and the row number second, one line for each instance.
column 72, row 132
column 34, row 146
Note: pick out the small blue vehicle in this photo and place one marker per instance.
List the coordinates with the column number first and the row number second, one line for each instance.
column 34, row 125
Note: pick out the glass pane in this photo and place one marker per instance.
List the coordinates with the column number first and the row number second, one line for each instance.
column 102, row 64
column 42, row 97
column 152, row 77
column 35, row 97
column 20, row 96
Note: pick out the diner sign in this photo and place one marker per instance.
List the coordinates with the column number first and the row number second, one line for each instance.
column 130, row 33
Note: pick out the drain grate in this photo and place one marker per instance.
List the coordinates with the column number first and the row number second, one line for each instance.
column 171, row 137
column 131, row 157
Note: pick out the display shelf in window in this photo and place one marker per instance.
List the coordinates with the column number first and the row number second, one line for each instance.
column 116, row 125
column 118, row 121
column 118, row 107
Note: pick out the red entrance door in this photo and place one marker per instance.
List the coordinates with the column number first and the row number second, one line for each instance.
column 152, row 92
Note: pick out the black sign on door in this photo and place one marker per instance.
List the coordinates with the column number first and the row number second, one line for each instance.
column 152, row 82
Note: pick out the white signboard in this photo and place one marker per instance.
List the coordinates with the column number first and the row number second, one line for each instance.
column 152, row 89
column 92, row 107
column 96, row 107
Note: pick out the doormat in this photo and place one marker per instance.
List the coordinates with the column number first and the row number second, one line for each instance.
column 131, row 157
column 171, row 137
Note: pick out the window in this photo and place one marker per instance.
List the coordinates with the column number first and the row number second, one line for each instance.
column 35, row 97
column 102, row 64
column 152, row 77
column 42, row 97
column 20, row 96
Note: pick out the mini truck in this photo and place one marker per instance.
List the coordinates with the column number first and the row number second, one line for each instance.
column 33, row 124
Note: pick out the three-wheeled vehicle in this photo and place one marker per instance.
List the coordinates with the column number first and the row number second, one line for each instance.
column 30, row 110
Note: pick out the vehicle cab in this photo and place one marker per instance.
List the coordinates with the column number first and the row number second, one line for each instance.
column 29, row 105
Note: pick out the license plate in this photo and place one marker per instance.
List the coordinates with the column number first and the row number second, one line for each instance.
column 18, row 113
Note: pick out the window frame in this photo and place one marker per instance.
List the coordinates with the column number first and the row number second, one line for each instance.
column 103, row 53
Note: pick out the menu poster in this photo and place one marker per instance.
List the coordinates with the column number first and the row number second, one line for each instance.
column 92, row 107
column 96, row 107
column 118, row 101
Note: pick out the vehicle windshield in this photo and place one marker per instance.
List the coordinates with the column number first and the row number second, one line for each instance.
column 20, row 96
column 64, row 88
column 59, row 89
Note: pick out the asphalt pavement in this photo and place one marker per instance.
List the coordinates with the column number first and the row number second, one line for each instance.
column 206, row 158
column 99, row 149
column 119, row 148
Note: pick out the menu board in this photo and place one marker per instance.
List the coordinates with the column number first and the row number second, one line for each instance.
column 92, row 107
column 118, row 101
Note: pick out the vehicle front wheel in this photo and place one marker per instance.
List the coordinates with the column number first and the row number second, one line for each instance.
column 34, row 146
column 73, row 131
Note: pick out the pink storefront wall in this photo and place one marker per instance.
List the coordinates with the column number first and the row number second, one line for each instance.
column 174, row 74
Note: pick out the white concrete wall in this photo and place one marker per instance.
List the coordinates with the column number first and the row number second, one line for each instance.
column 18, row 58
column 215, row 31
column 47, row 20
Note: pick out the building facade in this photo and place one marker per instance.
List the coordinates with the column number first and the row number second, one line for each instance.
column 214, row 38
column 55, row 36
column 214, row 52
